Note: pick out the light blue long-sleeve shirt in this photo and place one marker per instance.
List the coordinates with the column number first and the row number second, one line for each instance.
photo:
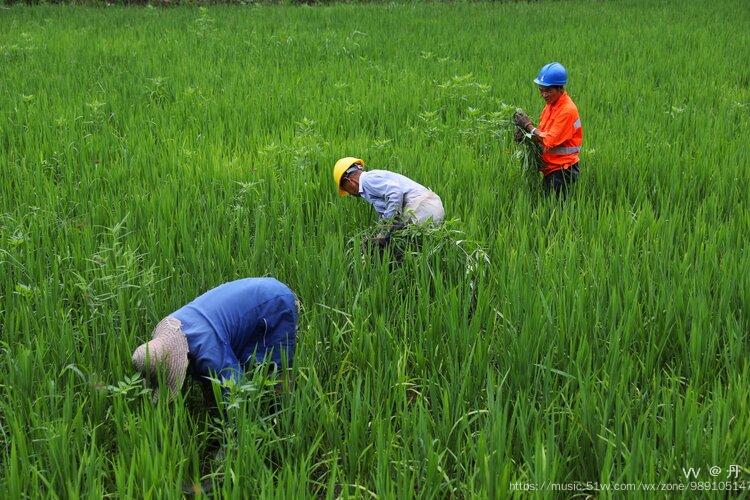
column 231, row 323
column 388, row 192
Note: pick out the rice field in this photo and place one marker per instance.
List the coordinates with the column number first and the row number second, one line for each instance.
column 149, row 154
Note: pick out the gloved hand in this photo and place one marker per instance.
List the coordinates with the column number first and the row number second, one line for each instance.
column 518, row 135
column 523, row 121
column 381, row 240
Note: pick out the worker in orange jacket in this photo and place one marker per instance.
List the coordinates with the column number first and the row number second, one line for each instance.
column 559, row 132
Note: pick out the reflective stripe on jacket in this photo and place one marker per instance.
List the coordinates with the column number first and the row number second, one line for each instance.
column 562, row 134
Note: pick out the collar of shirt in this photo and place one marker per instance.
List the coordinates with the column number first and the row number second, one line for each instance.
column 361, row 188
column 549, row 109
column 562, row 100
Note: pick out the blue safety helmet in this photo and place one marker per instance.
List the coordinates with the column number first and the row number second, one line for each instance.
column 551, row 74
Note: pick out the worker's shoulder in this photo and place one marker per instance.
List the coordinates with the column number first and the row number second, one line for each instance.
column 566, row 113
column 380, row 178
column 387, row 175
column 270, row 282
column 568, row 105
column 260, row 283
column 377, row 174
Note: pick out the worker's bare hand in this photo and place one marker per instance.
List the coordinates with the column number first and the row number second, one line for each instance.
column 518, row 135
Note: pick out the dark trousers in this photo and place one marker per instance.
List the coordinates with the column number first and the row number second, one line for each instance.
column 559, row 181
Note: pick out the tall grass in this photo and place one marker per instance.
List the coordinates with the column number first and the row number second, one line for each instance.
column 147, row 155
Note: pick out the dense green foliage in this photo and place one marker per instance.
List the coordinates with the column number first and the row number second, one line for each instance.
column 147, row 155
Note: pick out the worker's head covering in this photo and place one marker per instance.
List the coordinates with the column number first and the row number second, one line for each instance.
column 167, row 350
column 551, row 75
column 341, row 167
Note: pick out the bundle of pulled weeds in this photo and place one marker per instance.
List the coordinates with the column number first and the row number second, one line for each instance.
column 528, row 151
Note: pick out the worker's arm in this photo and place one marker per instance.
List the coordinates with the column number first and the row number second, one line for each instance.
column 526, row 126
column 231, row 369
column 222, row 371
column 383, row 192
column 394, row 200
column 558, row 132
column 394, row 204
column 387, row 197
column 222, row 368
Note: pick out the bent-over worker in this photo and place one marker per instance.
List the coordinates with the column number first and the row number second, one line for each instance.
column 395, row 197
column 222, row 332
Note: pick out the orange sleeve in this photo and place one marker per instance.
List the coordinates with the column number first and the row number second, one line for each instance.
column 560, row 129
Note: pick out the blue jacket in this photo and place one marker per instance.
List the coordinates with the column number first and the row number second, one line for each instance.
column 236, row 322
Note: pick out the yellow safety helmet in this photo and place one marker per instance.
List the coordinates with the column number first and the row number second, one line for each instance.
column 342, row 166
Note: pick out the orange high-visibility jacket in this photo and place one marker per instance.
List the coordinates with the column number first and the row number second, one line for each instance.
column 563, row 135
